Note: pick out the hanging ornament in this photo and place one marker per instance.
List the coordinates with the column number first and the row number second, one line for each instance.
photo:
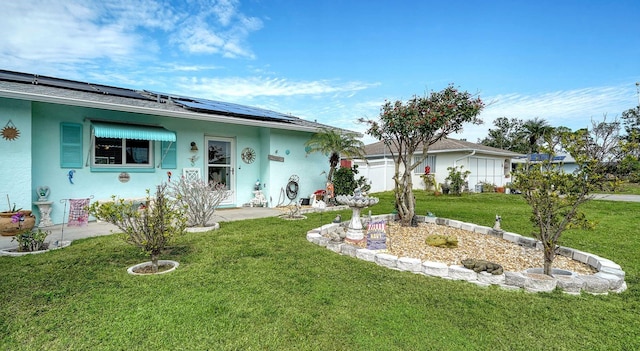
column 10, row 132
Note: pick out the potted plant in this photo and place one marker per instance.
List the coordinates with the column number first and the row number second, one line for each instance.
column 15, row 220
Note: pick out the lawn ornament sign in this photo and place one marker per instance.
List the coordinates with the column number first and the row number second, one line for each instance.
column 377, row 235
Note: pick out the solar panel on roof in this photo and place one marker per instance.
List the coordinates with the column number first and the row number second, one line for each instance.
column 120, row 92
column 243, row 109
column 67, row 84
column 16, row 76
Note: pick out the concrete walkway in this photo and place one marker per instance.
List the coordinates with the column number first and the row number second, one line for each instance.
column 60, row 233
column 617, row 197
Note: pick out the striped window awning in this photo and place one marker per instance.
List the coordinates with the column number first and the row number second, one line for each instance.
column 132, row 131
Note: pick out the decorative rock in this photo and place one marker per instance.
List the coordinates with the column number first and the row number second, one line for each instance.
column 618, row 272
column 539, row 282
column 431, row 220
column 436, row 269
column 482, row 230
column 622, row 288
column 514, row 279
column 564, row 251
column 580, row 256
column 527, row 242
column 569, row 284
column 454, row 224
column 366, row 255
column 313, row 237
column 615, row 282
column 334, row 246
column 513, row 237
column 595, row 285
column 322, row 241
column 603, row 262
column 386, row 260
column 470, row 227
column 409, row 264
column 442, row 221
column 489, row 278
column 349, row 250
column 461, row 273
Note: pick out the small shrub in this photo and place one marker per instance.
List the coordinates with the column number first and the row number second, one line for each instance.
column 200, row 198
column 429, row 181
column 31, row 240
column 151, row 227
column 457, row 179
column 444, row 241
column 344, row 181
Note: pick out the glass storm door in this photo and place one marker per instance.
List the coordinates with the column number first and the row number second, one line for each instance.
column 220, row 164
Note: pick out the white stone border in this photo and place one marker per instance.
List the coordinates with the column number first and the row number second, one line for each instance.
column 13, row 252
column 131, row 270
column 608, row 279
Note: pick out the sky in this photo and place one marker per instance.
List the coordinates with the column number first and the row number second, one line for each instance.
column 566, row 61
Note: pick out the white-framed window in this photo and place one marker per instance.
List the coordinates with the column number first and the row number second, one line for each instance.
column 429, row 161
column 116, row 152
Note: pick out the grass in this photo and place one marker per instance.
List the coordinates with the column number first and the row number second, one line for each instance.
column 259, row 285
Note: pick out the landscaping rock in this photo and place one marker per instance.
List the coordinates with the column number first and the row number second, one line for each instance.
column 349, row 250
column 313, row 237
column 490, row 278
column 409, row 264
column 539, row 282
column 386, row 260
column 514, row 279
column 435, row 269
column 366, row 255
column 569, row 284
column 615, row 282
column 334, row 246
column 595, row 285
column 461, row 273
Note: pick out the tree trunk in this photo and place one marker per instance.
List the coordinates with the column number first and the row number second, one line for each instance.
column 154, row 262
column 549, row 256
column 405, row 202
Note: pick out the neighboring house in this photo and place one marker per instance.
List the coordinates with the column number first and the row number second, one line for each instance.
column 487, row 164
column 564, row 160
column 89, row 140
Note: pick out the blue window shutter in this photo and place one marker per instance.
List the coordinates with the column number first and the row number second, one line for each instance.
column 70, row 145
column 169, row 155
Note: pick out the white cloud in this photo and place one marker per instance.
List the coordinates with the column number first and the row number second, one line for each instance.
column 238, row 88
column 75, row 35
column 571, row 108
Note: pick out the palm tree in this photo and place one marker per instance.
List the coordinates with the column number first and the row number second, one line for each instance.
column 534, row 130
column 335, row 144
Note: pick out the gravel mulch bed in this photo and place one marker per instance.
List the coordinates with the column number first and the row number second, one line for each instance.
column 410, row 242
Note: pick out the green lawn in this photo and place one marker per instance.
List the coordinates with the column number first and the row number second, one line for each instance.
column 259, row 285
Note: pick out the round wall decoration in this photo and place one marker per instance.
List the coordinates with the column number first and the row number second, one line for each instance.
column 10, row 132
column 248, row 155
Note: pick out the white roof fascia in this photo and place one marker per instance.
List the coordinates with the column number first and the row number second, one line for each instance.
column 152, row 111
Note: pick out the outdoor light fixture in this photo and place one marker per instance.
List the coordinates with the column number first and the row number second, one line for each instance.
column 194, row 147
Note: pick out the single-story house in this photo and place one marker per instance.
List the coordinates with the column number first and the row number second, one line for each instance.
column 84, row 140
column 563, row 160
column 486, row 164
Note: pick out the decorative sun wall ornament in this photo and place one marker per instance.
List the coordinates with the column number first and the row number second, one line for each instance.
column 10, row 132
column 248, row 155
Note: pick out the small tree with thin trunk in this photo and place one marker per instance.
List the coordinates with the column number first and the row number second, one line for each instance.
column 411, row 127
column 335, row 144
column 150, row 227
column 554, row 195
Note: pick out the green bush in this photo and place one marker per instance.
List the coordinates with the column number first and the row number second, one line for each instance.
column 457, row 179
column 344, row 181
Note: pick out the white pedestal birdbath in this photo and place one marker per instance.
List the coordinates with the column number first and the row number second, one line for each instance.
column 356, row 202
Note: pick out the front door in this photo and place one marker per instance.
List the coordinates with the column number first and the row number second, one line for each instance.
column 221, row 164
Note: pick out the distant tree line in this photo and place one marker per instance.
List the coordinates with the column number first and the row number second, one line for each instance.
column 528, row 136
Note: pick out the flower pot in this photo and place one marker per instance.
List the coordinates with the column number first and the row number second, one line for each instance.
column 9, row 228
column 500, row 189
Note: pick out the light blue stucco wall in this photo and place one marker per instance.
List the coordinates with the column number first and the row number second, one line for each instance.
column 273, row 175
column 15, row 156
column 308, row 168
